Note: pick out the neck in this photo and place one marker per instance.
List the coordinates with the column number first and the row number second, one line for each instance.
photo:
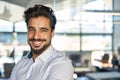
column 35, row 55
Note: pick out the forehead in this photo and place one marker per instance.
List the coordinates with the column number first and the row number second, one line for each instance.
column 39, row 21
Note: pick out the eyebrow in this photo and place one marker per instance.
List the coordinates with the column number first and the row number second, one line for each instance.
column 29, row 27
column 43, row 28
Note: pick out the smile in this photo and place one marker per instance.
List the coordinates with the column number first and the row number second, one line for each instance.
column 37, row 43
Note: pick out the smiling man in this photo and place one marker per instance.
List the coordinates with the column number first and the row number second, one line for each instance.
column 43, row 62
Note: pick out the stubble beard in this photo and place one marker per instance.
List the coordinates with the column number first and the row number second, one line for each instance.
column 41, row 50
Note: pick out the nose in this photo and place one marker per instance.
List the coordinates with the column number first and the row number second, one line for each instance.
column 36, row 34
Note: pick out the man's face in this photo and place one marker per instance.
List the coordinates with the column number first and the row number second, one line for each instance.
column 39, row 34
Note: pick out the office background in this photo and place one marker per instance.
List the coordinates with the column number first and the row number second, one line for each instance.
column 84, row 28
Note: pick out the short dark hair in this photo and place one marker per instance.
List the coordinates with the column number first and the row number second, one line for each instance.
column 40, row 10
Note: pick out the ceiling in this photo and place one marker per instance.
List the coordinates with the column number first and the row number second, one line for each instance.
column 25, row 3
column 12, row 10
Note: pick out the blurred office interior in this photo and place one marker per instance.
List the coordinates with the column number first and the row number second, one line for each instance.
column 86, row 31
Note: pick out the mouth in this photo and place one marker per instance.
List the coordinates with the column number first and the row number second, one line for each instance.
column 37, row 43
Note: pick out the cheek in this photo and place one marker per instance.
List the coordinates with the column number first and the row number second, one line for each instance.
column 30, row 34
column 49, row 37
column 45, row 35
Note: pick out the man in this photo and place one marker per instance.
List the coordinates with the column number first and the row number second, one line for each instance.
column 43, row 62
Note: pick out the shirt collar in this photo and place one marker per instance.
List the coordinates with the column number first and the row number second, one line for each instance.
column 29, row 55
column 45, row 55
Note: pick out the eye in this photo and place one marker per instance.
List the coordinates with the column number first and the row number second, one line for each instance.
column 30, row 29
column 44, row 29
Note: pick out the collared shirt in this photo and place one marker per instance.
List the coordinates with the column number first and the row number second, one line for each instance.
column 50, row 65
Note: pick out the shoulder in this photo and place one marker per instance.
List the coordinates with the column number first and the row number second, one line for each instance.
column 60, row 60
column 59, row 56
column 61, row 68
column 23, row 59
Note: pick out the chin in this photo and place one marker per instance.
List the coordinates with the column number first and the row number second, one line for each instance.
column 38, row 50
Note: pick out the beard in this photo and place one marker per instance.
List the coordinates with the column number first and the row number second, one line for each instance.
column 40, row 50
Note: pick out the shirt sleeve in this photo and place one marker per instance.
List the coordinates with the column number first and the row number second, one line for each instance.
column 14, row 71
column 61, row 71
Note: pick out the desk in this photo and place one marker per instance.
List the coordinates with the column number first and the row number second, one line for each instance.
column 104, row 76
column 81, row 69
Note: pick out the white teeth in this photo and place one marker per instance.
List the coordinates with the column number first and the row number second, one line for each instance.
column 37, row 42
